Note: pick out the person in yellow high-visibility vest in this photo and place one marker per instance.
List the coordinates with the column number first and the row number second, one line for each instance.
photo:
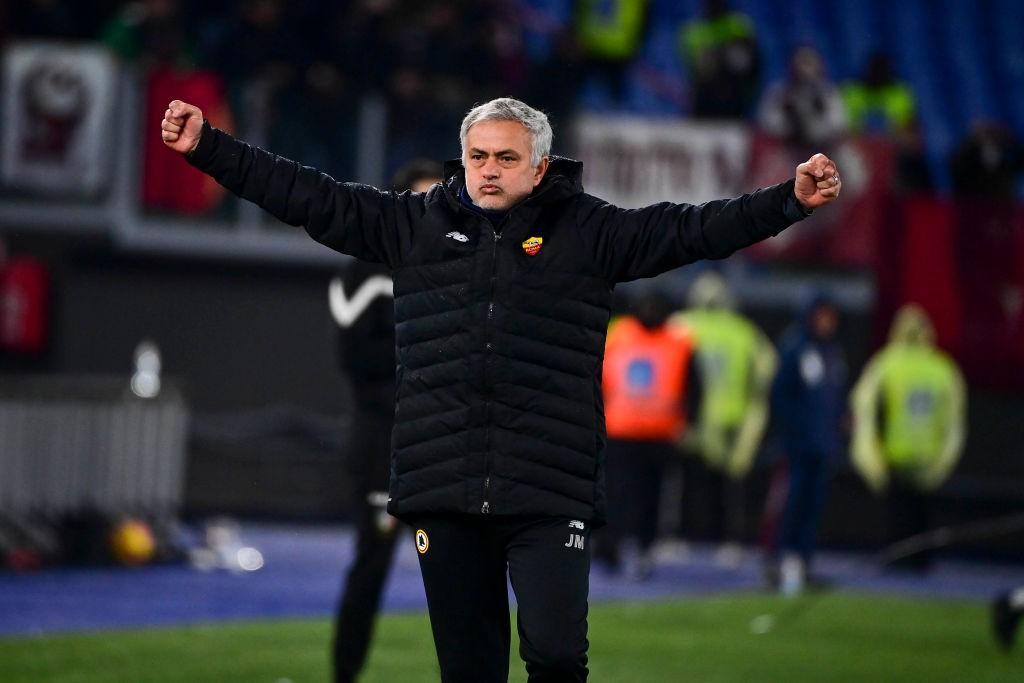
column 909, row 422
column 737, row 363
column 610, row 33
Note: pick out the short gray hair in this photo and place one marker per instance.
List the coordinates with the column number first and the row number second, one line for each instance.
column 508, row 109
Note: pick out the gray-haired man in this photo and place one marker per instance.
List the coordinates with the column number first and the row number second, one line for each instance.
column 503, row 277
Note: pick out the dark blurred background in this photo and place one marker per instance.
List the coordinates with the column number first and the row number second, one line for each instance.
column 114, row 249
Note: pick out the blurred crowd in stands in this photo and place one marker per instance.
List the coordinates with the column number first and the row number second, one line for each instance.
column 299, row 72
column 319, row 81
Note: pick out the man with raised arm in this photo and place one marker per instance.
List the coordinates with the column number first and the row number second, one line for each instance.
column 503, row 278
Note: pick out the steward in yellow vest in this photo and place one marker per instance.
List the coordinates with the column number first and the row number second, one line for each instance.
column 909, row 409
column 737, row 363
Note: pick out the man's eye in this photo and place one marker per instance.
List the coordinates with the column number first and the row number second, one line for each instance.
column 508, row 160
column 477, row 157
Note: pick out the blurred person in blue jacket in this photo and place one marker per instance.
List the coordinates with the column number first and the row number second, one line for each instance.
column 808, row 401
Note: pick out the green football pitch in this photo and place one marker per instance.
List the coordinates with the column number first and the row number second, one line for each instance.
column 832, row 637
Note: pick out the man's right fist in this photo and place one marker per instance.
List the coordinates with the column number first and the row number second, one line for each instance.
column 182, row 126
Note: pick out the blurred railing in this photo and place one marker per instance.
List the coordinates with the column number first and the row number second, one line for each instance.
column 73, row 444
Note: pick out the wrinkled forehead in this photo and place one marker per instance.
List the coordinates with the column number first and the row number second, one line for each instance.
column 498, row 136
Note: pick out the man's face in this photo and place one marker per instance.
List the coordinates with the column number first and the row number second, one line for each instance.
column 824, row 321
column 497, row 161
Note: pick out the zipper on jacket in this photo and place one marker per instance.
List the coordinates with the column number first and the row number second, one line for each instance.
column 486, row 507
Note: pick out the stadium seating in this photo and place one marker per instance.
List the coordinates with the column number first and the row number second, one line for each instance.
column 964, row 61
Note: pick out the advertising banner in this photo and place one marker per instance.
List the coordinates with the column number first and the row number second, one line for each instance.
column 633, row 161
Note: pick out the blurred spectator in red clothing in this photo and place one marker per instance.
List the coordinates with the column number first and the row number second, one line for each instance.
column 158, row 36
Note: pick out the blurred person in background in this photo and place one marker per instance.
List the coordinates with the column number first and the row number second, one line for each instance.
column 878, row 102
column 721, row 55
column 158, row 37
column 1007, row 610
column 610, row 34
column 555, row 77
column 987, row 164
column 908, row 414
column 48, row 19
column 441, row 68
column 986, row 170
column 362, row 304
column 808, row 398
column 360, row 37
column 153, row 32
column 503, row 279
column 913, row 172
column 736, row 363
column 651, row 390
column 274, row 50
column 805, row 109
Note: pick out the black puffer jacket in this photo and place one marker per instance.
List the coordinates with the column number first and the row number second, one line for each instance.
column 500, row 333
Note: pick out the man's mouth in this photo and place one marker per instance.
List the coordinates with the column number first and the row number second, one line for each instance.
column 490, row 189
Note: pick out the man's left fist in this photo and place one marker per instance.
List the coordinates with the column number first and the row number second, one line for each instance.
column 817, row 182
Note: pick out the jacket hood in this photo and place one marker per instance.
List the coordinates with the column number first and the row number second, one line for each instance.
column 564, row 178
column 912, row 326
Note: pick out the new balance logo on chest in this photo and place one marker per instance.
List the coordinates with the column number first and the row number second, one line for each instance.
column 457, row 236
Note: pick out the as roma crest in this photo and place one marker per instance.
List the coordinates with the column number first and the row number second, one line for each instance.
column 532, row 245
column 422, row 541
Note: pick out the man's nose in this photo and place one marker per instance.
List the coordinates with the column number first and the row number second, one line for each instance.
column 492, row 169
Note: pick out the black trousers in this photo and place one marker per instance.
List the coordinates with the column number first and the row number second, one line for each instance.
column 376, row 533
column 464, row 560
column 633, row 475
column 908, row 516
column 713, row 503
column 361, row 594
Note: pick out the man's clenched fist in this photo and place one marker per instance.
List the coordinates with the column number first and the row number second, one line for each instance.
column 181, row 127
column 817, row 182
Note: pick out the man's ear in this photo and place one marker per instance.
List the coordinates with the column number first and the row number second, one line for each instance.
column 538, row 173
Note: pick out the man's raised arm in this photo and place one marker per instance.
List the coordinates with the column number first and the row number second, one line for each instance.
column 635, row 243
column 350, row 218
